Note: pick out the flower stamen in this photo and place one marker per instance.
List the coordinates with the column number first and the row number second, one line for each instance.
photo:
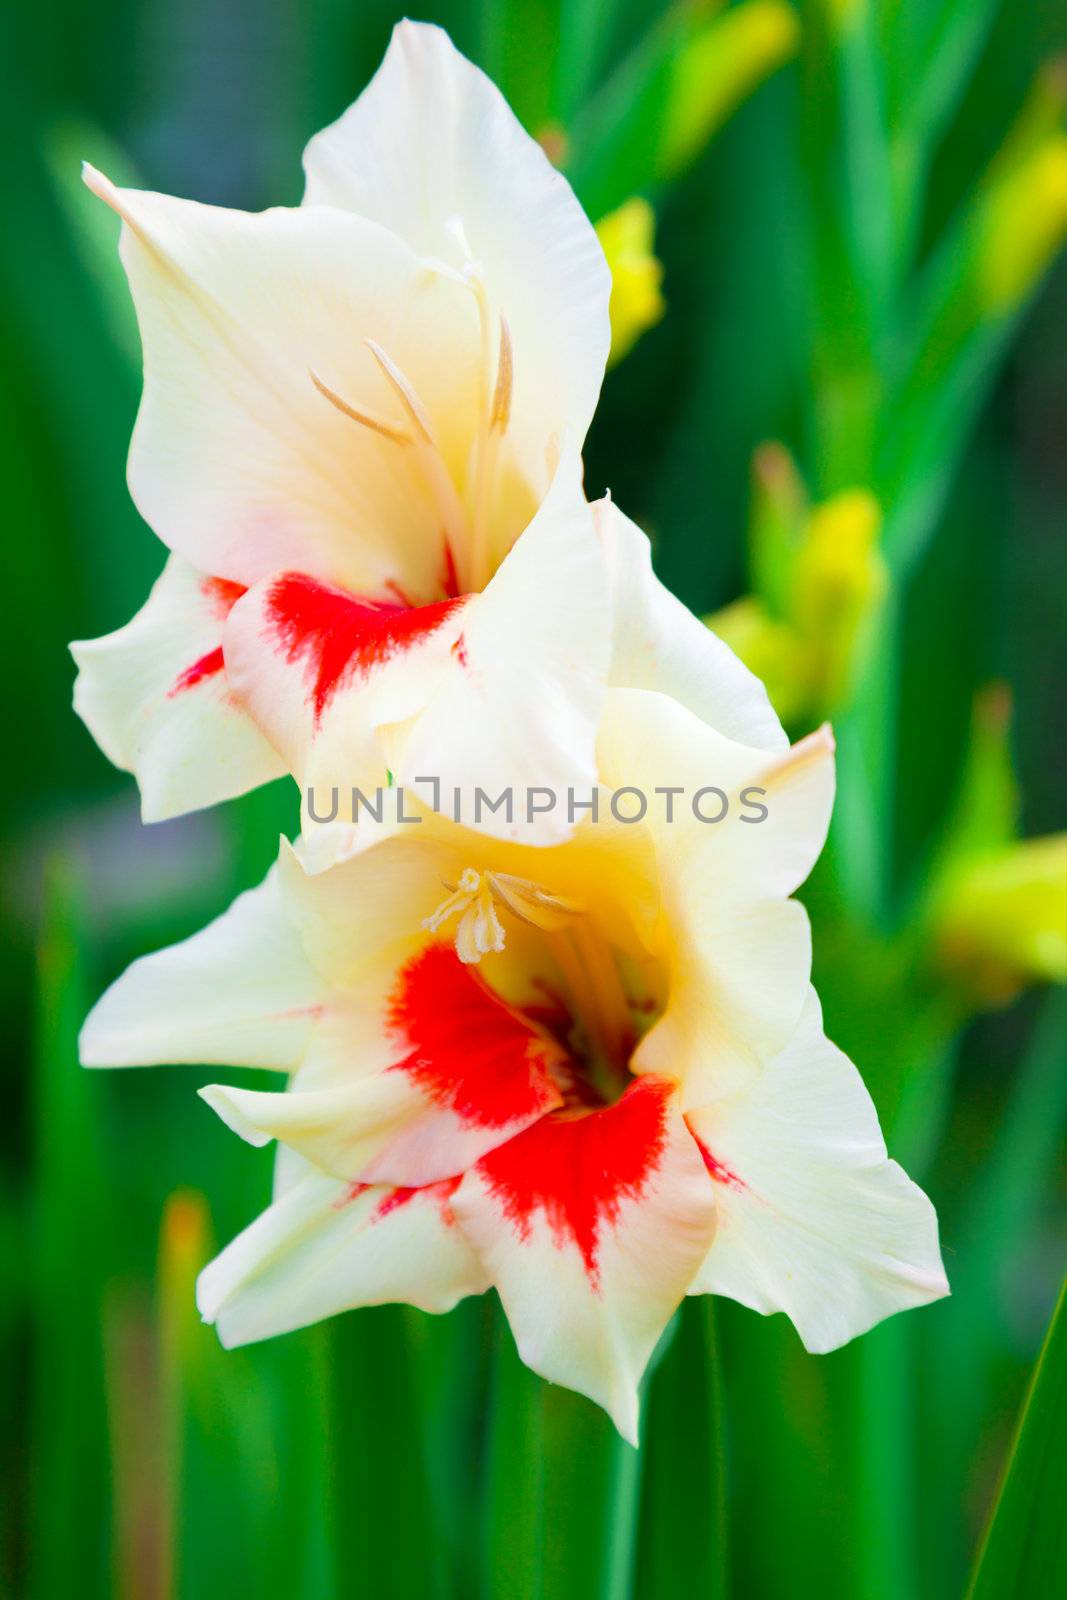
column 386, row 429
column 474, row 899
column 405, row 390
column 500, row 414
column 479, row 930
column 427, row 453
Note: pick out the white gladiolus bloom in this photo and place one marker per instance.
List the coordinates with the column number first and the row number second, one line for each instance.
column 360, row 439
column 592, row 1074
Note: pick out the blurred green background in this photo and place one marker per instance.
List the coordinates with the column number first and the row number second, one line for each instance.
column 859, row 207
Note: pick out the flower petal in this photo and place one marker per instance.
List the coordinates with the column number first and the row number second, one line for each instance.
column 499, row 691
column 591, row 1226
column 467, row 1073
column 738, row 976
column 431, row 143
column 651, row 741
column 319, row 670
column 739, row 951
column 518, row 703
column 659, row 644
column 320, row 1249
column 156, row 699
column 240, row 992
column 239, row 461
column 814, row 1219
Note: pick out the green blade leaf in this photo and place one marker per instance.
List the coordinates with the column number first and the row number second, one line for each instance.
column 1025, row 1547
column 683, row 1538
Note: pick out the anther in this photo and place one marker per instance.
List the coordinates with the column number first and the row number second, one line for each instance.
column 500, row 411
column 386, row 429
column 408, row 398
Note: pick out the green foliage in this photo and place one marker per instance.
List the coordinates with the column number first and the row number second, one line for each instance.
column 1025, row 1550
column 857, row 216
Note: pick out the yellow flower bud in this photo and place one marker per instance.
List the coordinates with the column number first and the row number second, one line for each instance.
column 1001, row 921
column 1023, row 225
column 719, row 66
column 838, row 581
column 779, row 517
column 770, row 649
column 627, row 237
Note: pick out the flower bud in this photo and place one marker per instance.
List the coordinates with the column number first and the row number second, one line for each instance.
column 719, row 67
column 839, row 579
column 627, row 237
column 1002, row 919
column 1024, row 222
column 818, row 577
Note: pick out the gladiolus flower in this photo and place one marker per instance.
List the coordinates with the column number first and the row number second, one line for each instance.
column 592, row 1075
column 360, row 438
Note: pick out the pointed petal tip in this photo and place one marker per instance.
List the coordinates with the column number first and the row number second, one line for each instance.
column 92, row 1051
column 224, row 1102
column 100, row 185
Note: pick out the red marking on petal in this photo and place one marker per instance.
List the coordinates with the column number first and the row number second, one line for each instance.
column 222, row 594
column 465, row 1048
column 398, row 593
column 459, row 650
column 397, row 1198
column 450, row 577
column 208, row 666
column 335, row 635
column 719, row 1172
column 577, row 1167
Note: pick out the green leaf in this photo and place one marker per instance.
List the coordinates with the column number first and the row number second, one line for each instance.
column 684, row 1530
column 68, row 1438
column 656, row 113
column 561, row 1491
column 384, row 1527
column 1025, row 1547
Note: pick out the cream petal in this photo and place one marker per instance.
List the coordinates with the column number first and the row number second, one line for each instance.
column 239, row 462
column 156, row 699
column 813, row 1218
column 659, row 644
column 518, row 703
column 591, row 1229
column 738, row 978
column 238, row 993
column 459, row 1072
column 738, row 951
column 320, row 1249
column 320, row 670
column 652, row 742
column 432, row 150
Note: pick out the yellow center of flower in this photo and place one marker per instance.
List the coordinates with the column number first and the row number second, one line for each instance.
column 582, row 955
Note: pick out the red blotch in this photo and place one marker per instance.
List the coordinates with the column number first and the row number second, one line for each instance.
column 577, row 1167
column 337, row 636
column 718, row 1171
column 223, row 595
column 396, row 1199
column 465, row 1048
column 459, row 650
column 208, row 666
